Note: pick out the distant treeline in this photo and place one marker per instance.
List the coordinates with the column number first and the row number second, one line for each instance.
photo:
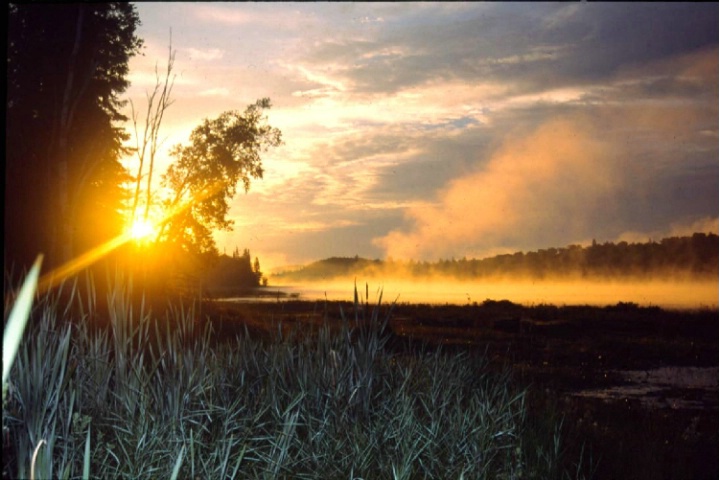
column 696, row 256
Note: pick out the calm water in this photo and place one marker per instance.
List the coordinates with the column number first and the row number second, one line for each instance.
column 663, row 294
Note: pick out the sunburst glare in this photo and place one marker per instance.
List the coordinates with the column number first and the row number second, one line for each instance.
column 142, row 230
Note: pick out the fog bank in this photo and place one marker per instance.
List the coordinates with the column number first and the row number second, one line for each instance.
column 690, row 294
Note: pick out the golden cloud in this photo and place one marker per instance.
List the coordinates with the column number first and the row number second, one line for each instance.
column 544, row 179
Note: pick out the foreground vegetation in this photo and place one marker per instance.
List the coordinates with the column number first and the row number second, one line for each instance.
column 133, row 394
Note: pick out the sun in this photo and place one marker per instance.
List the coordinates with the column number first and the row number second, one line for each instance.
column 141, row 230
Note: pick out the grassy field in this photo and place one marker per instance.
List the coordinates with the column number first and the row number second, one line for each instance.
column 120, row 391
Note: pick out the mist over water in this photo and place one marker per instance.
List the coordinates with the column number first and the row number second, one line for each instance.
column 688, row 294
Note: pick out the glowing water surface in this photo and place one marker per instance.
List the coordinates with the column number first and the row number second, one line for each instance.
column 667, row 294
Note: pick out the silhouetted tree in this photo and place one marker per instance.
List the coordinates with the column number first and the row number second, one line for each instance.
column 232, row 275
column 67, row 65
column 256, row 269
column 204, row 176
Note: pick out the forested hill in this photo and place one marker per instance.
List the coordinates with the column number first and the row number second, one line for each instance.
column 696, row 256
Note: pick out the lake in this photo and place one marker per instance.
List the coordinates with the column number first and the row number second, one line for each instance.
column 665, row 294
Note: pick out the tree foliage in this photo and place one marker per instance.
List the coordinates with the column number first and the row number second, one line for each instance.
column 235, row 274
column 66, row 67
column 203, row 178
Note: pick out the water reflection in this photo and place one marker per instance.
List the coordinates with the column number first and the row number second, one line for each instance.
column 666, row 294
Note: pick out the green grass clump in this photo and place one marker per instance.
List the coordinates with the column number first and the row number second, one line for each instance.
column 157, row 396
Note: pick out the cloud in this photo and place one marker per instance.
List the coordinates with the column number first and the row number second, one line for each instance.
column 426, row 157
column 252, row 15
column 440, row 103
column 215, row 92
column 533, row 48
column 593, row 170
column 554, row 179
column 207, row 55
column 221, row 14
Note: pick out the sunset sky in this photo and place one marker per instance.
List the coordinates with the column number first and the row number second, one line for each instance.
column 439, row 130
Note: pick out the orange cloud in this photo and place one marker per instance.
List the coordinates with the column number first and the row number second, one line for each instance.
column 543, row 180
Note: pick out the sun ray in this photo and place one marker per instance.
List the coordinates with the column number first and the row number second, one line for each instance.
column 58, row 275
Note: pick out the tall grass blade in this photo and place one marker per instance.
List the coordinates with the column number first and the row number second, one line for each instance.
column 178, row 464
column 34, row 458
column 17, row 321
column 86, row 459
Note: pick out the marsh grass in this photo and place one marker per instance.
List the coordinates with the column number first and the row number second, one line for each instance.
column 158, row 395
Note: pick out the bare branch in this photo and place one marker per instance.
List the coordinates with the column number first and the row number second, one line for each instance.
column 157, row 102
